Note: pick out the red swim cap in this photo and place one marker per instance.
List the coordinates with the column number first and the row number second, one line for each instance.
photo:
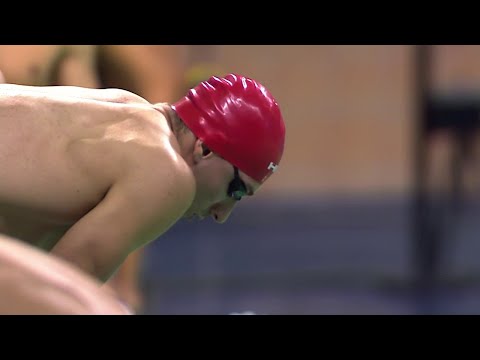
column 238, row 119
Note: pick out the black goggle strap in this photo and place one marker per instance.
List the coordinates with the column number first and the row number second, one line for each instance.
column 237, row 188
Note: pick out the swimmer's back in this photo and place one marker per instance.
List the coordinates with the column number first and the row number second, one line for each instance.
column 65, row 139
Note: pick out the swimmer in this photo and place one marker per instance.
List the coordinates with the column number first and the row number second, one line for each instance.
column 95, row 174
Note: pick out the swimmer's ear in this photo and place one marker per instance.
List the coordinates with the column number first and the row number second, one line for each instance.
column 201, row 151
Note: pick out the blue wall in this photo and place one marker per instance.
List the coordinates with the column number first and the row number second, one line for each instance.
column 297, row 256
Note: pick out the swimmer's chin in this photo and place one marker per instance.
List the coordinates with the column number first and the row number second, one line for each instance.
column 193, row 216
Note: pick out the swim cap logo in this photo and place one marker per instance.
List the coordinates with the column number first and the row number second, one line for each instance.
column 272, row 167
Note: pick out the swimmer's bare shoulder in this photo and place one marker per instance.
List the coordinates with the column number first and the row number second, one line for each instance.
column 154, row 190
column 151, row 190
column 35, row 283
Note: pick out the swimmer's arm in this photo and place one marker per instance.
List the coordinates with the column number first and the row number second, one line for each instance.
column 33, row 282
column 132, row 214
column 78, row 66
column 109, row 95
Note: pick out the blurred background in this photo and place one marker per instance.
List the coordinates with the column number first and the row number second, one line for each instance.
column 360, row 218
column 374, row 207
